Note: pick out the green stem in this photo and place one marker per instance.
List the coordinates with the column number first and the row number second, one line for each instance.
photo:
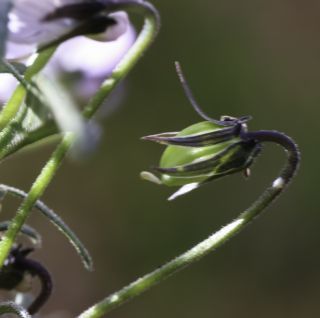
column 34, row 194
column 11, row 108
column 145, row 38
column 214, row 241
column 56, row 221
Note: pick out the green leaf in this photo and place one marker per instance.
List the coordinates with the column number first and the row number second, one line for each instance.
column 5, row 6
column 30, row 125
column 48, row 109
column 30, row 119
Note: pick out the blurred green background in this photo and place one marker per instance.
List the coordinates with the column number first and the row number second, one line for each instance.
column 241, row 57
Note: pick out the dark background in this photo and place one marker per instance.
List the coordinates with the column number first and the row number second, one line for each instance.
column 241, row 57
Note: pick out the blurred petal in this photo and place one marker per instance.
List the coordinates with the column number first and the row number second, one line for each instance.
column 93, row 58
column 29, row 23
column 26, row 25
column 7, row 85
column 16, row 51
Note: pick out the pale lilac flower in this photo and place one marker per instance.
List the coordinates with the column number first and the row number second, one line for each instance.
column 29, row 26
column 92, row 60
column 27, row 29
column 92, row 57
column 8, row 84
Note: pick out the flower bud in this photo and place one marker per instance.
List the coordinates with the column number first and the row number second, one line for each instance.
column 203, row 152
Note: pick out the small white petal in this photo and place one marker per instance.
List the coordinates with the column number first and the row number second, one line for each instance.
column 145, row 175
column 278, row 183
column 183, row 190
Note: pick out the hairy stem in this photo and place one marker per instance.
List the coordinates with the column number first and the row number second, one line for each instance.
column 215, row 240
column 34, row 194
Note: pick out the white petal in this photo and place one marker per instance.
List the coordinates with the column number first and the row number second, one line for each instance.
column 148, row 176
column 183, row 190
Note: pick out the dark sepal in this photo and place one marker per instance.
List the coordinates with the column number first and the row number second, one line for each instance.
column 197, row 140
column 94, row 25
column 76, row 11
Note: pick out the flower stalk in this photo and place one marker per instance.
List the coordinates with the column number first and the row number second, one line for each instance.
column 199, row 154
column 36, row 191
column 216, row 239
column 148, row 33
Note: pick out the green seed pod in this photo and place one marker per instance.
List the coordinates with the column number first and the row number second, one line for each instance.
column 201, row 153
column 204, row 151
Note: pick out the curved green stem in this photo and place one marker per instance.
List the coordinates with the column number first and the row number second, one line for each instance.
column 147, row 35
column 34, row 194
column 12, row 308
column 56, row 221
column 28, row 231
column 11, row 108
column 145, row 38
column 215, row 240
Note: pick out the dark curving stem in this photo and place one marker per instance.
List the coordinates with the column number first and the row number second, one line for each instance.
column 37, row 269
column 283, row 140
column 286, row 174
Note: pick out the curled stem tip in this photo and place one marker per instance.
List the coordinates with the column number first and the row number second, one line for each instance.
column 36, row 269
